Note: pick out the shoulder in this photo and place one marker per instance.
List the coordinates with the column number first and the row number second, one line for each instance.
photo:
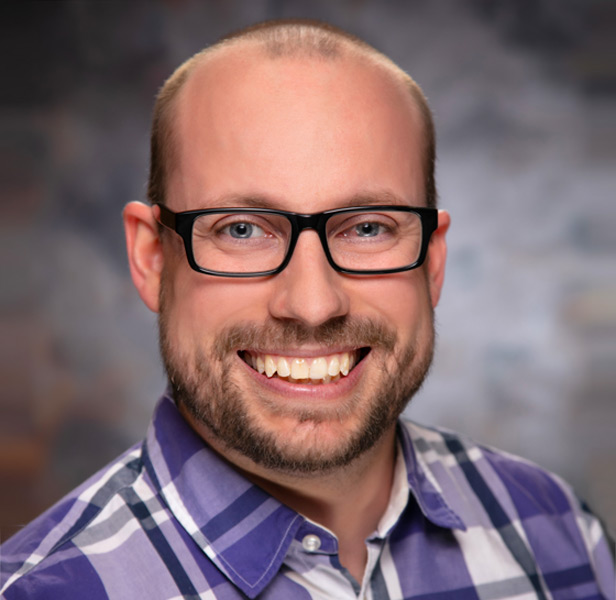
column 493, row 488
column 37, row 556
column 447, row 454
column 513, row 511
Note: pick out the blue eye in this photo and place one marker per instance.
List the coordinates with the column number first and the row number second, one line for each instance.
column 368, row 229
column 243, row 230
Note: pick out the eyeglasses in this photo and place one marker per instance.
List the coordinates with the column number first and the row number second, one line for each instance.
column 248, row 242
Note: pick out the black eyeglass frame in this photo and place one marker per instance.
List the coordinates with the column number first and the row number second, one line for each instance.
column 182, row 224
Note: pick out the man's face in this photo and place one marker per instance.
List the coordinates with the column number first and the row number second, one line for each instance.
column 306, row 136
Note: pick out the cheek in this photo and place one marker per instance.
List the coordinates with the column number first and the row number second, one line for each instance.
column 402, row 300
column 201, row 306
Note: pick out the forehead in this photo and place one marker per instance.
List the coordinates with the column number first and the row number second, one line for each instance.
column 291, row 126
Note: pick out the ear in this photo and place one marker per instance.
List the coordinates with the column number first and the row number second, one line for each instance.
column 437, row 255
column 145, row 253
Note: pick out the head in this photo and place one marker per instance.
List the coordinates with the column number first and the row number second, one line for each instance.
column 305, row 118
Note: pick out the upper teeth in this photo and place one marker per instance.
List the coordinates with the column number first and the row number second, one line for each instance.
column 324, row 368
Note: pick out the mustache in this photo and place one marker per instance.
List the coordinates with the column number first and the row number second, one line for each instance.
column 340, row 331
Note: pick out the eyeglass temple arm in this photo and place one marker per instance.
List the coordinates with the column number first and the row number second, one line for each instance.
column 167, row 217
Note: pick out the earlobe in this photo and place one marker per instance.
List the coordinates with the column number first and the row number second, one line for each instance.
column 437, row 256
column 145, row 254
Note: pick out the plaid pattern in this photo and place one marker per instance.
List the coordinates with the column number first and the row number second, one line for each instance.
column 169, row 519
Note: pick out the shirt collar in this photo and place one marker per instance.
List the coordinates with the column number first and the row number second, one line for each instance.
column 424, row 485
column 240, row 527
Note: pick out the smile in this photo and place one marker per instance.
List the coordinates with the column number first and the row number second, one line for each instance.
column 312, row 370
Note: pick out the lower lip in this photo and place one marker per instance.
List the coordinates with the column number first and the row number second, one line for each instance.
column 312, row 392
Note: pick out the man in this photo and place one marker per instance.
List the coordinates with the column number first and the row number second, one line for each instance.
column 294, row 254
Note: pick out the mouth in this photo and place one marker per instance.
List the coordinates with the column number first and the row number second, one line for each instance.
column 317, row 370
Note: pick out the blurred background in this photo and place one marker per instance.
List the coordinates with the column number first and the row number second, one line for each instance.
column 523, row 96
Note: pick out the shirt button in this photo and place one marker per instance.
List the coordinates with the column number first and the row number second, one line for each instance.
column 311, row 542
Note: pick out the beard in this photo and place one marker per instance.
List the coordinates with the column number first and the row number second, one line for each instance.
column 203, row 384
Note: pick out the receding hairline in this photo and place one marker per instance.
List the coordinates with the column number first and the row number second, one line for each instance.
column 280, row 39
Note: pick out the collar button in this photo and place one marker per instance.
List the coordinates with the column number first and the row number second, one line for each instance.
column 311, row 542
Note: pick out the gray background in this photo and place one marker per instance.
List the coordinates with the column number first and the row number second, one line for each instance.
column 523, row 96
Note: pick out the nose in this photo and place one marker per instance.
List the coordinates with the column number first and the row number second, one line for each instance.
column 309, row 290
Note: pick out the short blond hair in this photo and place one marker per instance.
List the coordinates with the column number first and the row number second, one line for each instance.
column 280, row 38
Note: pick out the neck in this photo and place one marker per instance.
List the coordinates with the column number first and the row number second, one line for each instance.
column 349, row 502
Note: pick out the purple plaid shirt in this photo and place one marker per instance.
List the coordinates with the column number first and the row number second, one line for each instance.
column 170, row 519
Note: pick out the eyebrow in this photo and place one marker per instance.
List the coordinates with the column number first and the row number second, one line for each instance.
column 371, row 198
column 378, row 197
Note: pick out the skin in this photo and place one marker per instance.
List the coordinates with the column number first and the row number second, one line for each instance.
column 302, row 135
